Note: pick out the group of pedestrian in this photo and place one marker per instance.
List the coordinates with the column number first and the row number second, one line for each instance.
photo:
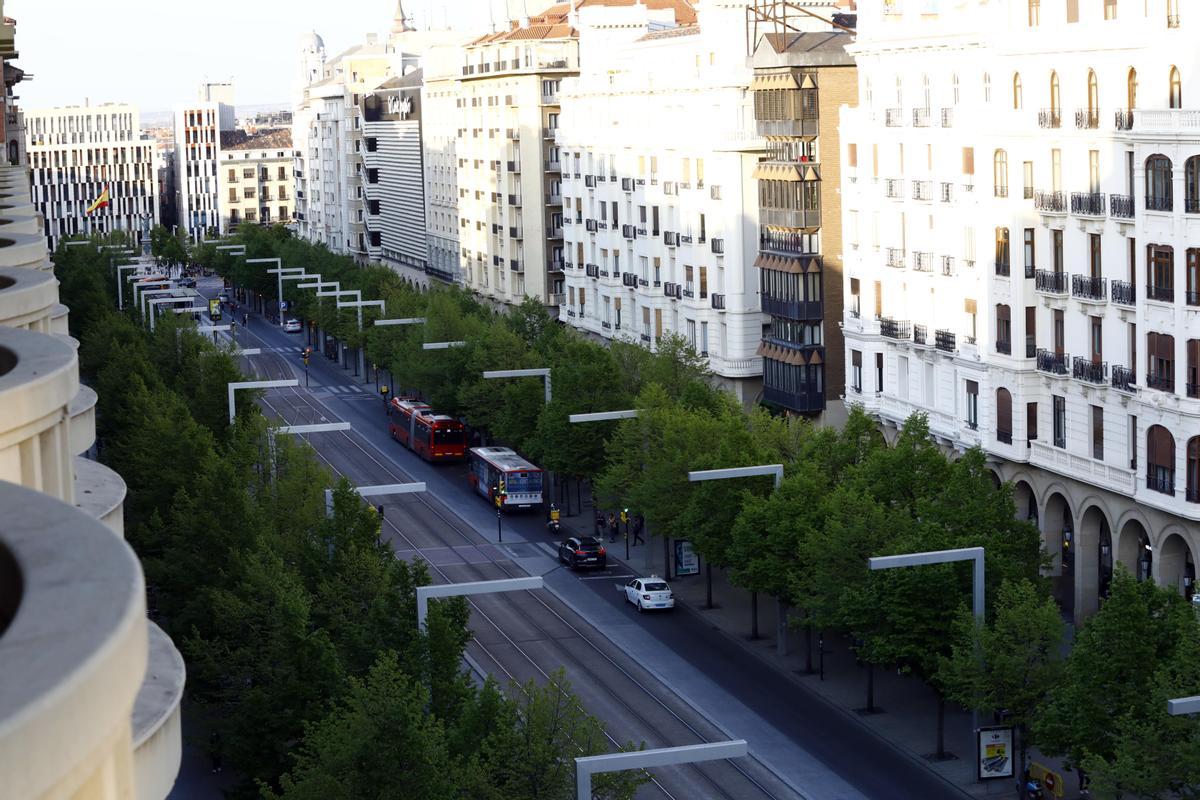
column 612, row 526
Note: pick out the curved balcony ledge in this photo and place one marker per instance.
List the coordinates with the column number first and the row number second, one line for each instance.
column 20, row 223
column 67, row 339
column 100, row 493
column 157, row 729
column 82, row 412
column 24, row 250
column 73, row 655
column 59, row 318
column 39, row 377
column 27, row 298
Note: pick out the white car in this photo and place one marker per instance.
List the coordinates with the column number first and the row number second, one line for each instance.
column 292, row 326
column 652, row 592
column 223, row 297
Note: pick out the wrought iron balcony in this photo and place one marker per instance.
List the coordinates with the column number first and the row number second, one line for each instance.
column 1123, row 379
column 894, row 117
column 1088, row 371
column 1123, row 293
column 947, row 190
column 673, row 290
column 922, row 190
column 1191, row 205
column 945, row 341
column 1121, row 205
column 1160, row 381
column 593, row 270
column 923, row 262
column 947, row 117
column 948, row 265
column 1159, row 202
column 895, row 257
column 1050, row 282
column 1087, row 204
column 629, row 279
column 1050, row 118
column 1004, row 346
column 1089, row 288
column 894, row 329
column 1087, row 118
column 590, row 225
column 1165, row 294
column 627, row 184
column 1192, row 298
column 1052, row 363
column 1003, row 269
column 1123, row 120
column 920, row 334
column 589, row 181
column 1004, row 437
column 894, row 188
column 671, row 238
column 718, row 246
column 1050, row 202
column 718, row 302
column 629, row 231
column 920, row 117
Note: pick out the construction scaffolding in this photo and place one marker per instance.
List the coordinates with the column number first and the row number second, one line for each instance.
column 782, row 17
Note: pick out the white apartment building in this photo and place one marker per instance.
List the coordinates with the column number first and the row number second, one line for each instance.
column 439, row 134
column 659, row 150
column 327, row 130
column 1021, row 201
column 75, row 154
column 198, row 129
column 254, row 178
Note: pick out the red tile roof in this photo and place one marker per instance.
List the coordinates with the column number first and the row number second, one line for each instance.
column 555, row 22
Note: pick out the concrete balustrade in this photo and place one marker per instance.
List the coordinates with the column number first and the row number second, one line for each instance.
column 83, row 420
column 28, row 299
column 100, row 493
column 73, row 652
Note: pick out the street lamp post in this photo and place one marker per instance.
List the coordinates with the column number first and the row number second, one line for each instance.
column 234, row 386
column 358, row 305
column 605, row 416
column 279, row 271
column 972, row 554
column 424, row 593
column 1180, row 706
column 775, row 470
column 586, row 766
column 522, row 373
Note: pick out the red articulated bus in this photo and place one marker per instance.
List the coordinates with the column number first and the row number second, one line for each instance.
column 434, row 437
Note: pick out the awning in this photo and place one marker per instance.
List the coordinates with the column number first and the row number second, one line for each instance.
column 777, row 80
column 797, row 265
column 786, row 172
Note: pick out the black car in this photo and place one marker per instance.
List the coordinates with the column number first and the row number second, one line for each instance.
column 583, row 551
column 188, row 283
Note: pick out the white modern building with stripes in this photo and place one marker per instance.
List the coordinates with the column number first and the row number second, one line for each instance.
column 76, row 153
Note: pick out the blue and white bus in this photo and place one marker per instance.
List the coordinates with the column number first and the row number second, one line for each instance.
column 522, row 480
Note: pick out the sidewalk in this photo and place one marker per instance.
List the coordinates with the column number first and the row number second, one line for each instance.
column 906, row 709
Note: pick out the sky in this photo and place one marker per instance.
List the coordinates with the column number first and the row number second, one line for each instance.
column 156, row 53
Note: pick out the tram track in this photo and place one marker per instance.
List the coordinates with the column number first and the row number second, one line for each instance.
column 610, row 684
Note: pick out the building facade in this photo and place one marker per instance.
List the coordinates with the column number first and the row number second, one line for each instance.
column 439, row 137
column 76, row 153
column 254, row 179
column 198, row 129
column 1022, row 244
column 661, row 228
column 90, row 700
column 395, row 201
column 801, row 79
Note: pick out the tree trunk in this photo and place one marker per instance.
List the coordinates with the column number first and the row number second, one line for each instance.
column 870, row 688
column 708, row 603
column 808, row 667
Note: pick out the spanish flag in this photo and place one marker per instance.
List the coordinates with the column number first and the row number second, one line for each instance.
column 100, row 202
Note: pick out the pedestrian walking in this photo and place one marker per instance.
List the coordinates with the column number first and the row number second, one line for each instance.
column 599, row 524
column 639, row 522
column 613, row 527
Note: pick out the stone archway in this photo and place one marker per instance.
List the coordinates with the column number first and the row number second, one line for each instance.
column 1176, row 567
column 1058, row 529
column 1133, row 550
column 1093, row 562
column 1025, row 502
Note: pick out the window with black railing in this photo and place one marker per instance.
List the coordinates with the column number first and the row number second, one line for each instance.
column 920, row 334
column 1053, row 202
column 1158, row 183
column 1123, row 293
column 1051, row 362
column 1121, row 205
column 1046, row 280
column 1160, row 460
column 1089, row 204
column 1191, row 185
column 945, row 341
column 1089, row 287
column 1089, row 371
column 1123, row 379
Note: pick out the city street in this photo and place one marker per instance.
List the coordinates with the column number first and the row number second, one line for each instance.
column 684, row 686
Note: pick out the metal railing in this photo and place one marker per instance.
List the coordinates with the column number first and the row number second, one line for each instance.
column 1088, row 371
column 946, row 341
column 1087, row 118
column 893, row 328
column 1088, row 204
column 1123, row 120
column 948, row 265
column 1050, row 118
column 718, row 302
column 920, row 334
column 1123, row 379
column 1051, row 362
column 1165, row 294
column 1159, row 202
column 1003, row 269
column 894, row 188
column 920, row 117
column 1164, row 383
column 895, row 257
column 894, row 117
column 1160, row 479
column 1052, row 202
column 922, row 261
column 1121, row 205
column 947, row 117
column 1045, row 280
column 1089, row 287
column 1004, row 346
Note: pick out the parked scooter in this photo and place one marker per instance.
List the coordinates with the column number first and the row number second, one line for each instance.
column 554, row 524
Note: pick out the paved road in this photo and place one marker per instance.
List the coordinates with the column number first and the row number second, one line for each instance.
column 582, row 625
